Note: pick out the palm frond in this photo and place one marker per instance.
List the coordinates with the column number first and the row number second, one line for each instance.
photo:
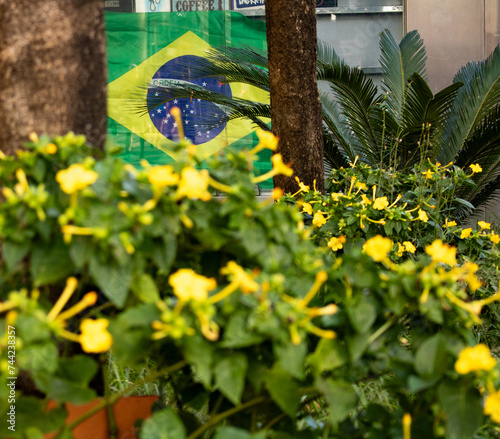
column 237, row 64
column 327, row 55
column 335, row 156
column 240, row 54
column 159, row 95
column 337, row 132
column 424, row 119
column 229, row 108
column 487, row 197
column 440, row 107
column 483, row 148
column 254, row 111
column 480, row 93
column 357, row 96
column 483, row 144
column 399, row 62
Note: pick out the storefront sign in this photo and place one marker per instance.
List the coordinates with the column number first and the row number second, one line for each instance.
column 119, row 5
column 197, row 5
column 152, row 5
column 244, row 4
column 259, row 4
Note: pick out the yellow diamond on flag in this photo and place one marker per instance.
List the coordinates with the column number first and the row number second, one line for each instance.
column 157, row 126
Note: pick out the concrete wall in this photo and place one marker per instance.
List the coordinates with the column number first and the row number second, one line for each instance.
column 455, row 32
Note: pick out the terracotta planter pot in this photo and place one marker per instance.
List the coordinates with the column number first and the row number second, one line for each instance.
column 126, row 411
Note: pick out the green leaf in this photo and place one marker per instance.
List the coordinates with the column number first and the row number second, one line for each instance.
column 114, row 280
column 362, row 315
column 341, row 398
column 357, row 345
column 430, row 359
column 291, row 358
column 417, row 384
column 237, row 334
column 145, row 288
column 64, row 390
column 31, row 329
column 164, row 254
column 38, row 357
column 70, row 381
column 200, row 354
column 228, row 432
column 463, row 407
column 164, row 424
column 50, row 264
column 13, row 253
column 253, row 238
column 78, row 368
column 230, row 375
column 284, row 391
column 329, row 355
column 34, row 433
column 81, row 250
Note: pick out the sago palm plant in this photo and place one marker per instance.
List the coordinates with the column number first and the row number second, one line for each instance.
column 398, row 126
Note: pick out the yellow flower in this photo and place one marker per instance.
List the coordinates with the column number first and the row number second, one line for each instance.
column 302, row 186
column 422, row 216
column 188, row 285
column 473, row 359
column 494, row 238
column 476, row 168
column 409, row 247
column 239, row 276
column 51, row 148
column 428, row 174
column 319, row 219
column 337, row 243
column 401, row 250
column 307, row 208
column 449, row 223
column 360, row 185
column 465, row 233
column 378, row 247
column 366, row 200
column 161, row 176
column 267, row 139
column 380, row 203
column 94, row 336
column 492, row 406
column 484, row 225
column 75, row 178
column 279, row 167
column 194, row 184
column 440, row 252
column 277, row 193
column 406, row 426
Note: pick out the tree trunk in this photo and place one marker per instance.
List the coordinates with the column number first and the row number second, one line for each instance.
column 53, row 70
column 295, row 105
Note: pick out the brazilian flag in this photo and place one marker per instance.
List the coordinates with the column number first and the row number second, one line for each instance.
column 152, row 49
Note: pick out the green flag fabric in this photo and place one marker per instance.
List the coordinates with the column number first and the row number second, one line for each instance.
column 152, row 49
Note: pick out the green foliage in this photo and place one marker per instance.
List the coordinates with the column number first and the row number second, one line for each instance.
column 244, row 317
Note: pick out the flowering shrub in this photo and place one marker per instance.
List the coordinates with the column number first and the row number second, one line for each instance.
column 256, row 331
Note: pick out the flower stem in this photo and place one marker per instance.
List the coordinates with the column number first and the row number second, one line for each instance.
column 221, row 416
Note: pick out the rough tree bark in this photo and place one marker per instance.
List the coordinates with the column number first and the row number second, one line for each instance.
column 53, row 70
column 295, row 105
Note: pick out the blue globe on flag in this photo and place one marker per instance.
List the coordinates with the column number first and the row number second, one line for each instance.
column 200, row 118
